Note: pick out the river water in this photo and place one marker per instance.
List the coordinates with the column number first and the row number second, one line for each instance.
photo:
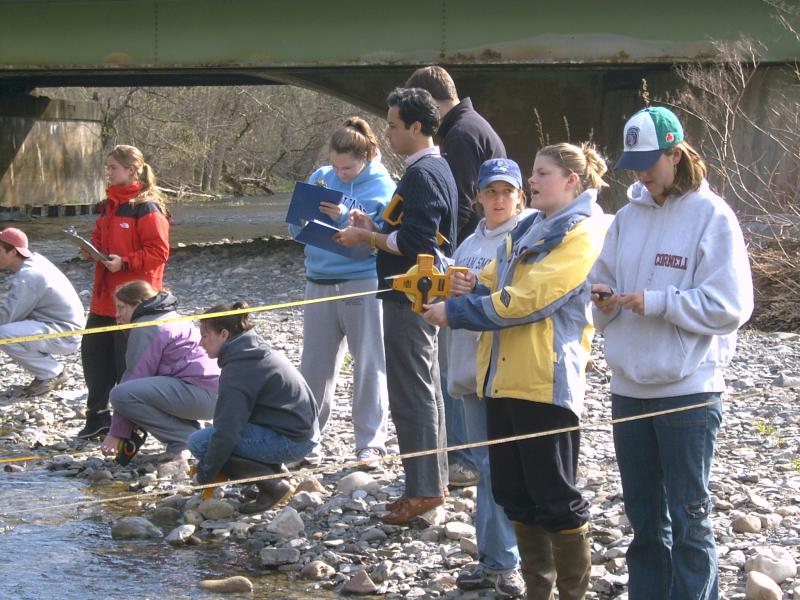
column 192, row 222
column 68, row 553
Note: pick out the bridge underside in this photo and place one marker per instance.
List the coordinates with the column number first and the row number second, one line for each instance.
column 573, row 102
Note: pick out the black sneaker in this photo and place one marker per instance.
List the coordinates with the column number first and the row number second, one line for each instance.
column 96, row 426
column 127, row 448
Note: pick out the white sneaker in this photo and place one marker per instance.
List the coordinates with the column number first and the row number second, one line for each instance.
column 370, row 458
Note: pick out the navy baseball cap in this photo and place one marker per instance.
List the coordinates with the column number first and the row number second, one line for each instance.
column 499, row 169
column 647, row 134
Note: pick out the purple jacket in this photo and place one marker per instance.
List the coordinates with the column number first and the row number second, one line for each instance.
column 171, row 350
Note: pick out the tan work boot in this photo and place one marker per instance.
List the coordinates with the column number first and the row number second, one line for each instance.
column 573, row 558
column 538, row 567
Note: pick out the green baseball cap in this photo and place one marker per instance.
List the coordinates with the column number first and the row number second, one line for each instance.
column 647, row 134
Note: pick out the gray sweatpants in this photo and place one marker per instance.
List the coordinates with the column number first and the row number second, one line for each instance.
column 326, row 328
column 37, row 357
column 166, row 407
column 415, row 396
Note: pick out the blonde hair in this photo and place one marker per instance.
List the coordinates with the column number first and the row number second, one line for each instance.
column 584, row 160
column 355, row 137
column 131, row 156
column 135, row 292
column 689, row 172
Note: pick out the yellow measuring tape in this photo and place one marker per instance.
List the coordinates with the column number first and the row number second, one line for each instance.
column 385, row 459
column 225, row 313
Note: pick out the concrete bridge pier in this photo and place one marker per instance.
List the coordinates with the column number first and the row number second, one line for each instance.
column 51, row 156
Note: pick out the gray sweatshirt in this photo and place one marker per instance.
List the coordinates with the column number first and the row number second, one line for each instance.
column 690, row 259
column 40, row 292
column 475, row 252
column 257, row 385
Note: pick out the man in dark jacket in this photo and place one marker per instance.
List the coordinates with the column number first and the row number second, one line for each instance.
column 466, row 139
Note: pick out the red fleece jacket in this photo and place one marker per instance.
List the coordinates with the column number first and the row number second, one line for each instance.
column 139, row 234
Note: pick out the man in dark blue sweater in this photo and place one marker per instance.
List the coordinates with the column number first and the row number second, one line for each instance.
column 428, row 199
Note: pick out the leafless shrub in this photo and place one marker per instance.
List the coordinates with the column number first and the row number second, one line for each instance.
column 750, row 138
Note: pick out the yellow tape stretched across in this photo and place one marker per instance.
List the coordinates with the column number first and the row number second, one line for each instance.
column 225, row 313
column 384, row 459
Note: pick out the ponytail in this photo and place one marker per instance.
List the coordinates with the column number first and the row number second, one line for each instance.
column 233, row 324
column 355, row 137
column 596, row 166
column 585, row 161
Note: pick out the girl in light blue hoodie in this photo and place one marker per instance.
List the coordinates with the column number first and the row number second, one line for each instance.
column 355, row 170
column 670, row 288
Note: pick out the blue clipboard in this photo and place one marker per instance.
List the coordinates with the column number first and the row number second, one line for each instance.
column 304, row 205
column 320, row 235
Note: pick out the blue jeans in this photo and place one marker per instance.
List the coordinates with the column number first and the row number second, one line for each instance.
column 664, row 462
column 497, row 542
column 257, row 443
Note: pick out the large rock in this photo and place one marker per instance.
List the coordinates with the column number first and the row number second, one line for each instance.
column 287, row 523
column 317, row 570
column 216, row 510
column 358, row 480
column 135, row 528
column 165, row 516
column 231, row 585
column 311, row 485
column 469, row 545
column 761, row 587
column 273, row 557
column 179, row 535
column 455, row 530
column 775, row 562
column 746, row 524
column 304, row 500
column 359, row 583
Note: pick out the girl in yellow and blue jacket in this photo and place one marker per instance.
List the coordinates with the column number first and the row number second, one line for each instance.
column 533, row 305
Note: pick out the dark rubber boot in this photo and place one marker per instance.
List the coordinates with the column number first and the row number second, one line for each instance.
column 573, row 557
column 270, row 491
column 538, row 567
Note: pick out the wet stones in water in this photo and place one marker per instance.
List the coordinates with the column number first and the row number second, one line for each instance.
column 317, row 570
column 230, row 585
column 165, row 516
column 273, row 557
column 135, row 528
column 216, row 510
column 180, row 535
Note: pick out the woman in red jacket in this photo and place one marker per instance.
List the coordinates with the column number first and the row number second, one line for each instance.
column 133, row 230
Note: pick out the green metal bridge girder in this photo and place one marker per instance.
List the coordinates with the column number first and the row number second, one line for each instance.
column 140, row 35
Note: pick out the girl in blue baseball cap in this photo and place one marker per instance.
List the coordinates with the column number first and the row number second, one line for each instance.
column 670, row 288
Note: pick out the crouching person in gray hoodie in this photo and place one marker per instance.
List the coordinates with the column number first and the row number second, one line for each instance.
column 265, row 414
